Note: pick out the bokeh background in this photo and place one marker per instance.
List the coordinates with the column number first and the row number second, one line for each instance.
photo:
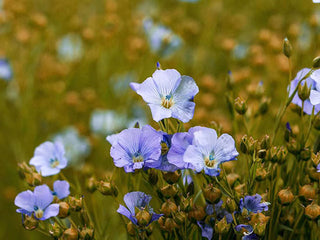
column 65, row 69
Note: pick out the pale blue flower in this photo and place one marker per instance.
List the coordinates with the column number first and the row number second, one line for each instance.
column 49, row 158
column 37, row 202
column 240, row 51
column 253, row 204
column 206, row 230
column 5, row 70
column 136, row 148
column 76, row 146
column 168, row 94
column 61, row 189
column 70, row 48
column 140, row 201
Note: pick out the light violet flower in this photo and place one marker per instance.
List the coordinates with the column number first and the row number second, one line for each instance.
column 37, row 202
column 61, row 189
column 5, row 70
column 168, row 94
column 49, row 158
column 253, row 204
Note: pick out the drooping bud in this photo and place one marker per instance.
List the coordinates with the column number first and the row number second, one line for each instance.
column 312, row 211
column 304, row 91
column 64, row 209
column 168, row 208
column 287, row 48
column 316, row 62
column 29, row 222
column 285, row 197
column 212, row 194
column 222, row 226
column 87, row 234
column 70, row 234
column 171, row 177
column 240, row 105
column 307, row 193
column 143, row 217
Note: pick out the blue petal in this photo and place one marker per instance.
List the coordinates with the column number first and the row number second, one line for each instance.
column 225, row 149
column 166, row 81
column 183, row 111
column 314, row 97
column 48, row 171
column 136, row 199
column 206, row 230
column 159, row 112
column 61, row 188
column 51, row 211
column 205, row 140
column 125, row 212
column 194, row 157
column 25, row 200
column 155, row 217
column 43, row 196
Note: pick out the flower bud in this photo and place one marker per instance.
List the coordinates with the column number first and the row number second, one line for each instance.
column 167, row 224
column 265, row 142
column 231, row 205
column 282, row 155
column 285, row 197
column 305, row 154
column 261, row 174
column 169, row 191
column 293, row 147
column 70, row 234
column 143, row 217
column 33, row 179
column 87, row 234
column 212, row 194
column 91, row 184
column 264, row 106
column 64, row 210
column 131, row 229
column 244, row 144
column 316, row 62
column 258, row 218
column 29, row 222
column 240, row 106
column 260, row 229
column 312, row 211
column 75, row 203
column 180, row 217
column 222, row 226
column 232, row 178
column 152, row 176
column 287, row 48
column 168, row 208
column 197, row 213
column 252, row 145
column 171, row 177
column 55, row 230
column 107, row 188
column 307, row 193
column 304, row 91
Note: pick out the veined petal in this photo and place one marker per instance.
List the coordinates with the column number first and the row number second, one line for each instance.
column 159, row 112
column 25, row 200
column 149, row 92
column 314, row 97
column 225, row 149
column 51, row 211
column 120, row 156
column 48, row 171
column 136, row 199
column 186, row 90
column 205, row 140
column 166, row 81
column 125, row 212
column 183, row 110
column 195, row 157
column 43, row 196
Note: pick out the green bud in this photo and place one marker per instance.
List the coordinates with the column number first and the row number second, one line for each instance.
column 316, row 62
column 240, row 106
column 87, row 234
column 287, row 48
column 304, row 91
column 293, row 147
column 91, row 184
column 244, row 144
column 231, row 205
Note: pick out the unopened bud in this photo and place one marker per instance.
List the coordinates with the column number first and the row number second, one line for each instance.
column 87, row 234
column 107, row 188
column 252, row 145
column 231, row 205
column 307, row 193
column 265, row 142
column 222, row 226
column 91, row 184
column 64, row 209
column 287, row 48
column 285, row 197
column 244, row 144
column 312, row 211
column 316, row 62
column 240, row 105
column 257, row 218
column 167, row 224
column 70, row 234
column 212, row 194
column 304, row 91
column 143, row 217
column 169, row 191
column 75, row 203
column 171, row 177
column 168, row 208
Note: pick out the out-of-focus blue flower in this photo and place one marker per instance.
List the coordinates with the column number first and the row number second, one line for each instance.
column 307, row 108
column 219, row 211
column 105, row 122
column 168, row 94
column 305, row 37
column 208, row 151
column 76, row 146
column 37, row 202
column 161, row 39
column 179, row 144
column 61, row 189
column 206, row 230
column 70, row 48
column 247, row 231
column 120, row 82
column 138, row 200
column 253, row 204
column 49, row 158
column 316, row 1
column 136, row 148
column 5, row 70
column 240, row 51
column 318, row 167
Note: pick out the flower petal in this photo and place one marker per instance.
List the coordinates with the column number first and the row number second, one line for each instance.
column 51, row 211
column 148, row 91
column 25, row 200
column 48, row 171
column 125, row 212
column 136, row 199
column 195, row 157
column 225, row 149
column 205, row 140
column 183, row 110
column 314, row 97
column 159, row 112
column 61, row 188
column 43, row 196
column 166, row 81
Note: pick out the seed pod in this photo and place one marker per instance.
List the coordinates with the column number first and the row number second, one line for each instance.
column 285, row 197
column 168, row 208
column 87, row 234
column 131, row 229
column 70, row 234
column 64, row 210
column 143, row 217
column 197, row 213
column 307, row 193
column 171, row 177
column 29, row 222
column 212, row 194
column 169, row 191
column 312, row 211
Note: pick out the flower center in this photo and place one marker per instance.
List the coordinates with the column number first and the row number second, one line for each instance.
column 137, row 157
column 164, row 148
column 54, row 162
column 38, row 212
column 167, row 101
column 210, row 160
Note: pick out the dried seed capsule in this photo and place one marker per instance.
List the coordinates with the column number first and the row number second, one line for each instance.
column 312, row 211
column 168, row 208
column 285, row 197
column 212, row 194
column 307, row 193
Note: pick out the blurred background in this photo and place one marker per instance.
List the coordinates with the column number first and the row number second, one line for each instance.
column 65, row 69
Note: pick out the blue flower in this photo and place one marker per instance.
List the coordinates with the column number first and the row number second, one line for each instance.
column 49, row 158
column 168, row 94
column 253, row 204
column 247, row 231
column 76, row 147
column 37, row 202
column 161, row 39
column 70, row 48
column 140, row 201
column 61, row 189
column 208, row 151
column 5, row 70
column 179, row 144
column 311, row 83
column 136, row 148
column 219, row 211
column 318, row 167
column 315, row 90
column 104, row 122
column 206, row 230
